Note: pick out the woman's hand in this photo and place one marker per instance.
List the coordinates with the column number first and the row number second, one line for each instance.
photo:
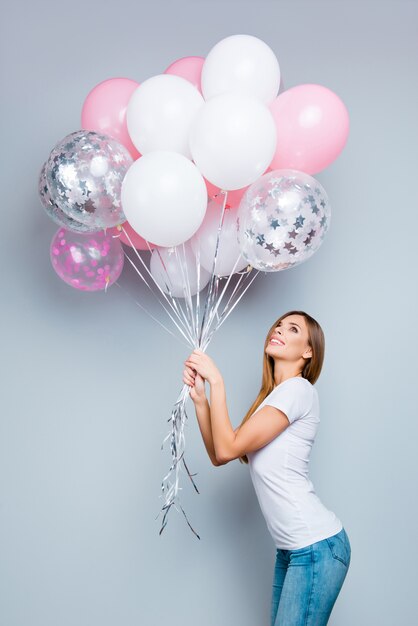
column 204, row 366
column 197, row 384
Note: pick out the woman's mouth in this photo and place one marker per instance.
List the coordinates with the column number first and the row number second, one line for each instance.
column 276, row 342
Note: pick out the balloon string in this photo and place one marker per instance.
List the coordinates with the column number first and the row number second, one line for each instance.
column 189, row 318
column 172, row 304
column 236, row 294
column 162, row 304
column 177, row 305
column 178, row 414
column 236, row 288
column 197, row 313
column 150, row 314
column 176, row 309
column 223, row 319
column 168, row 282
column 215, row 310
column 177, row 442
column 214, row 278
column 189, row 293
column 186, row 289
column 173, row 307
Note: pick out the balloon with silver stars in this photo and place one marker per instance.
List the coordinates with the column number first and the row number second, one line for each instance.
column 84, row 174
column 54, row 212
column 282, row 220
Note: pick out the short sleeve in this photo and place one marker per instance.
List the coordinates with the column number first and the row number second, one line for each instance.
column 294, row 397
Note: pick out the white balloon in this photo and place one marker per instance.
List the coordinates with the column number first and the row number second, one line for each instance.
column 164, row 197
column 229, row 251
column 160, row 112
column 180, row 270
column 233, row 140
column 241, row 63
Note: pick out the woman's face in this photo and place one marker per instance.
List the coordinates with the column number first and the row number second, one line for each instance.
column 289, row 339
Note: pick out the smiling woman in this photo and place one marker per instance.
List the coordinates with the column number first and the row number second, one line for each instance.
column 275, row 439
column 294, row 346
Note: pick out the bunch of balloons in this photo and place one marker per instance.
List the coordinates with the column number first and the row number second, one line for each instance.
column 207, row 166
column 155, row 161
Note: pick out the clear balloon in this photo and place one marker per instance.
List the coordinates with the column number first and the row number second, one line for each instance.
column 204, row 241
column 175, row 269
column 54, row 212
column 282, row 220
column 89, row 262
column 242, row 64
column 84, row 173
column 160, row 112
column 233, row 140
column 164, row 197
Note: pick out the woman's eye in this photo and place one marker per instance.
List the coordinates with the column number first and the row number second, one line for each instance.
column 293, row 328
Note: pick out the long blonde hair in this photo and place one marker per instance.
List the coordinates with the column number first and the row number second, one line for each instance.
column 311, row 370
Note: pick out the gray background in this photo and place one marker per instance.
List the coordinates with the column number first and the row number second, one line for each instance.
column 89, row 379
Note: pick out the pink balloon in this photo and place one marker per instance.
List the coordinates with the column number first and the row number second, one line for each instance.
column 312, row 125
column 233, row 198
column 104, row 110
column 138, row 242
column 189, row 68
column 86, row 261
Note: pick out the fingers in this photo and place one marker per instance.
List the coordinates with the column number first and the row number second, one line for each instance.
column 188, row 376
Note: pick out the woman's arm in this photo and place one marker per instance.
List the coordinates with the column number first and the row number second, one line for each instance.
column 253, row 435
column 202, row 409
column 222, row 431
column 199, row 367
column 228, row 443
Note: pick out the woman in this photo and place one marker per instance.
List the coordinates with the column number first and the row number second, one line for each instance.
column 275, row 438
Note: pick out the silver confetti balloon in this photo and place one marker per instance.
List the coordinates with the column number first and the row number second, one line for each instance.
column 54, row 212
column 282, row 220
column 84, row 174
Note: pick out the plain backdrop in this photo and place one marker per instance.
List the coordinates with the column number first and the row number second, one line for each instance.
column 89, row 380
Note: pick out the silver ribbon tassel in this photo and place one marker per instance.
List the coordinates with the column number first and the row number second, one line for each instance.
column 196, row 319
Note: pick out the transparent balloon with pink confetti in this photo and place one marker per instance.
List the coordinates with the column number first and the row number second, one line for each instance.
column 86, row 261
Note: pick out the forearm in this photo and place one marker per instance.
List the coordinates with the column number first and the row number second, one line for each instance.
column 203, row 414
column 222, row 431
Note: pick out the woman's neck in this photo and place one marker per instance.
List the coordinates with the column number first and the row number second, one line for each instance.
column 281, row 374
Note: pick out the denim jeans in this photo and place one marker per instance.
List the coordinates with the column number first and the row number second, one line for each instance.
column 307, row 581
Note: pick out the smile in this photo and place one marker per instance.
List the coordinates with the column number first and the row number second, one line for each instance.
column 277, row 342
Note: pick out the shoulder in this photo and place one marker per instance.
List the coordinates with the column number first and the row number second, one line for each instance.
column 303, row 385
column 294, row 396
column 296, row 382
column 297, row 387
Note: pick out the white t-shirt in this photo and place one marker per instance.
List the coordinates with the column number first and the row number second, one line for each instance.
column 294, row 514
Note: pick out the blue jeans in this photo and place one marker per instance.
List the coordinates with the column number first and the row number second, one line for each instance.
column 307, row 581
